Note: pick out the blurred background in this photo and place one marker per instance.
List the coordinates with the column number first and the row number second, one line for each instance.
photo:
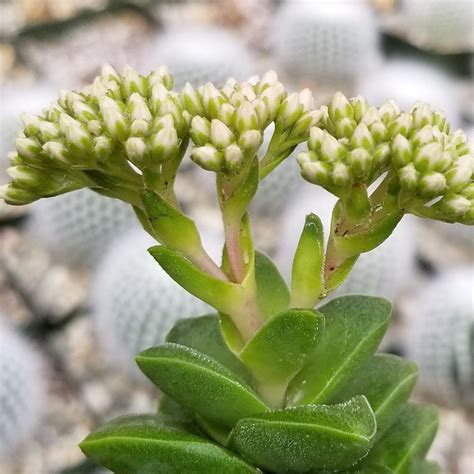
column 78, row 294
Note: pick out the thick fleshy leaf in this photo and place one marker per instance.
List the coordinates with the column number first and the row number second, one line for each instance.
column 273, row 295
column 204, row 335
column 354, row 327
column 407, row 440
column 387, row 381
column 336, row 278
column 306, row 438
column 307, row 272
column 169, row 225
column 279, row 350
column 170, row 411
column 199, row 383
column 142, row 444
column 218, row 293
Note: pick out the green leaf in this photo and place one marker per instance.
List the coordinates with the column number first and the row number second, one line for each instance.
column 204, row 335
column 199, row 383
column 354, row 328
column 218, row 293
column 273, row 295
column 337, row 277
column 308, row 265
column 170, row 411
column 304, row 438
column 422, row 466
column 230, row 333
column 169, row 225
column 215, row 431
column 407, row 440
column 387, row 381
column 142, row 444
column 280, row 348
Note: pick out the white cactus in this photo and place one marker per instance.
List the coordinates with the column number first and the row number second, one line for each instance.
column 327, row 41
column 79, row 226
column 199, row 55
column 135, row 303
column 441, row 323
column 22, row 391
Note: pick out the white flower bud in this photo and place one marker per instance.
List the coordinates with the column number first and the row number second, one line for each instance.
column 290, row 110
column 303, row 125
column 371, row 116
column 77, row 136
column 331, row 149
column 132, row 82
column 233, row 157
column 340, row 107
column 428, row 157
column 402, row 151
column 27, row 147
column 270, row 77
column 113, row 118
column 360, row 162
column 272, row 97
column 456, row 204
column 246, row 118
column 250, row 139
column 422, row 114
column 340, row 175
column 315, row 140
column 20, row 173
column 192, row 101
column 247, row 91
column 304, row 157
column 227, row 114
column 432, row 184
column 359, row 106
column 159, row 93
column 408, row 177
column 316, row 172
column 229, row 87
column 31, row 122
column 402, row 124
column 207, row 157
column 138, row 108
column 83, row 111
column 263, row 112
column 212, row 99
column 345, row 127
column 108, row 72
column 103, row 146
column 139, row 128
column 306, row 99
column 166, row 142
column 458, row 177
column 200, row 130
column 135, row 148
column 423, row 136
column 221, row 136
column 49, row 130
column 362, row 138
column 56, row 151
column 389, row 111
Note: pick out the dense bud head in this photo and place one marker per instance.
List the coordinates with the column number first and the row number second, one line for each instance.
column 221, row 135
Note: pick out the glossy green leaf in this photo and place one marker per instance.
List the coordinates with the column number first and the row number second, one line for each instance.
column 204, row 335
column 215, row 431
column 280, row 348
column 273, row 295
column 305, row 438
column 387, row 381
column 407, row 440
column 142, row 444
column 199, row 383
column 354, row 328
column 169, row 225
column 218, row 293
column 307, row 272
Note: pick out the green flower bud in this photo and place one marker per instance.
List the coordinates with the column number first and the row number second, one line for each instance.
column 290, row 110
column 341, row 175
column 359, row 107
column 114, row 120
column 331, row 149
column 132, row 82
column 15, row 195
column 246, row 118
column 31, row 123
column 136, row 149
column 212, row 100
column 227, row 114
column 27, row 147
column 408, row 176
column 251, row 140
column 103, row 146
column 192, row 100
column 432, row 184
column 401, row 151
column 360, row 162
column 165, row 144
column 233, row 158
column 221, row 136
column 362, row 138
column 455, row 204
column 56, row 150
column 208, row 158
column 340, row 107
column 138, row 108
column 316, row 136
column 200, row 130
column 139, row 128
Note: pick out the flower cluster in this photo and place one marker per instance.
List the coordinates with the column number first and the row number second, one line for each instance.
column 356, row 143
column 228, row 123
column 117, row 120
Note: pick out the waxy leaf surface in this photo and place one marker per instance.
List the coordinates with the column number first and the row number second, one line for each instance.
column 407, row 440
column 387, row 381
column 142, row 444
column 306, row 438
column 199, row 383
column 354, row 328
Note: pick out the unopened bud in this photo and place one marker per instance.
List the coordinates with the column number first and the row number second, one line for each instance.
column 340, row 175
column 31, row 123
column 455, row 204
column 165, row 143
column 113, row 118
column 316, row 136
column 389, row 111
column 212, row 99
column 132, row 82
column 428, row 157
column 227, row 114
column 340, row 107
column 27, row 147
column 331, row 149
column 290, row 110
column 362, row 138
column 250, row 140
column 432, row 184
column 200, row 130
column 359, row 106
column 56, row 150
column 103, row 146
column 360, row 162
column 408, row 177
column 191, row 99
column 139, row 128
column 306, row 99
column 233, row 157
column 135, row 148
column 49, row 130
column 402, row 151
column 221, row 136
column 138, row 108
column 208, row 157
column 246, row 118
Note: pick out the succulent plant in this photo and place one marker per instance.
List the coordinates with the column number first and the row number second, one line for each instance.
column 266, row 382
column 444, row 350
column 325, row 41
column 79, row 226
column 22, row 391
column 134, row 302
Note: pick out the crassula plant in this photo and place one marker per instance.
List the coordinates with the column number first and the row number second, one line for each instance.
column 267, row 383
